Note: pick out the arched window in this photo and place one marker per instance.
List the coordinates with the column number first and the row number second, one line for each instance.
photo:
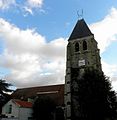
column 84, row 45
column 76, row 47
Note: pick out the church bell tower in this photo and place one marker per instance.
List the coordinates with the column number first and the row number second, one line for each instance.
column 82, row 52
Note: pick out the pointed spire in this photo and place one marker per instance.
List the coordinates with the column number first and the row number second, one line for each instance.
column 80, row 30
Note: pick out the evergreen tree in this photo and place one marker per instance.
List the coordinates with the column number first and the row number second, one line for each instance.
column 4, row 88
column 97, row 100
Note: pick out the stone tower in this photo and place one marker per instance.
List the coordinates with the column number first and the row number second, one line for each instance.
column 82, row 52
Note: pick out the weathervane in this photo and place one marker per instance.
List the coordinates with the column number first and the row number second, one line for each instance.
column 80, row 14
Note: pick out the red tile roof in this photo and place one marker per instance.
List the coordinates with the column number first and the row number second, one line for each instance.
column 23, row 104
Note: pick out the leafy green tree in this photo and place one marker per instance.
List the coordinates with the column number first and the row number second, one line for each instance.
column 97, row 100
column 44, row 108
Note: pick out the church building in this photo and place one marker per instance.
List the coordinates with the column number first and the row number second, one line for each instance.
column 82, row 52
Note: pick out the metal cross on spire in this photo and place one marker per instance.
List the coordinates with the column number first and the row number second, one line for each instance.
column 80, row 14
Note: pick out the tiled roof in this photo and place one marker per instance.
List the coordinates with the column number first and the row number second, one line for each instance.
column 23, row 104
column 80, row 30
column 56, row 92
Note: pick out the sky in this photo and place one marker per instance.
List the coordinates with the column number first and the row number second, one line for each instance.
column 34, row 34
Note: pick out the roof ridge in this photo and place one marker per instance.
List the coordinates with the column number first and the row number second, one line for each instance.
column 40, row 86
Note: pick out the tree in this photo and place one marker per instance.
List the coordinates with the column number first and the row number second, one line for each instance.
column 59, row 113
column 44, row 108
column 97, row 100
column 4, row 88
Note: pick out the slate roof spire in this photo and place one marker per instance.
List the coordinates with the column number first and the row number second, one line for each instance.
column 80, row 30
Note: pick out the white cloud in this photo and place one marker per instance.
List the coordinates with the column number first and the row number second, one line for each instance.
column 28, row 10
column 35, row 3
column 109, row 70
column 30, row 5
column 16, row 39
column 105, row 31
column 30, row 58
column 114, row 82
column 27, row 7
column 5, row 4
column 34, row 61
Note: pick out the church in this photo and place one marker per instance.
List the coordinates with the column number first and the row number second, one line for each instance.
column 82, row 52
